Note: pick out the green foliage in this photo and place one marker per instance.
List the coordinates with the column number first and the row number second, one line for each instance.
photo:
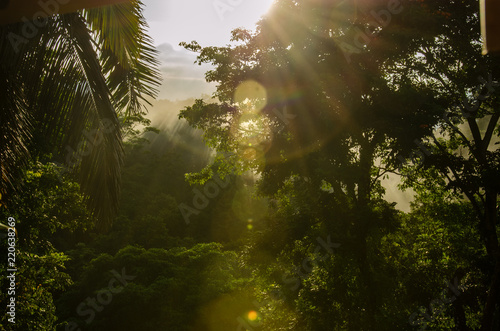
column 354, row 116
column 50, row 207
column 38, row 279
column 168, row 290
column 299, row 235
column 79, row 72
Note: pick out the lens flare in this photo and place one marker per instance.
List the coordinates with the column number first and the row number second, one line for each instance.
column 251, row 93
column 250, row 225
column 253, row 315
column 251, row 129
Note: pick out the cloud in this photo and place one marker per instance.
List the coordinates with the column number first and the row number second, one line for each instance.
column 182, row 78
column 170, row 55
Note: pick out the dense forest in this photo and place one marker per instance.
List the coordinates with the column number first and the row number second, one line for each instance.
column 264, row 206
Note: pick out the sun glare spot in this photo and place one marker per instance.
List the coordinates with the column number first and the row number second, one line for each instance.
column 250, row 225
column 253, row 315
column 251, row 128
column 251, row 94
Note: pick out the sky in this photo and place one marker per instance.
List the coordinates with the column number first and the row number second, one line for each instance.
column 209, row 22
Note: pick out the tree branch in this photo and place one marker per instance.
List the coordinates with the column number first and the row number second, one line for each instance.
column 489, row 132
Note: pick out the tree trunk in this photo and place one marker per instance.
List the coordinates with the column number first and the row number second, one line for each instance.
column 490, row 220
column 364, row 226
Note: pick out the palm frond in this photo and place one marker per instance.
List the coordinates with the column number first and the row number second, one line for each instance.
column 127, row 54
column 101, row 151
column 66, row 86
column 15, row 133
column 15, row 117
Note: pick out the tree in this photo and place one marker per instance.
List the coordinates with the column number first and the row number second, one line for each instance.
column 300, row 108
column 67, row 82
column 343, row 93
column 160, row 290
column 462, row 145
column 48, row 216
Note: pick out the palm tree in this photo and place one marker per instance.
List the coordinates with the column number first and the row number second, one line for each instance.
column 66, row 84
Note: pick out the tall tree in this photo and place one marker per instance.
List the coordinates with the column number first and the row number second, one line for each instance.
column 463, row 144
column 349, row 85
column 300, row 102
